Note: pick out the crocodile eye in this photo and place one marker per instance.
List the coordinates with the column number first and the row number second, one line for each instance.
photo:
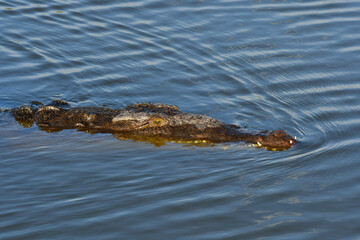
column 157, row 121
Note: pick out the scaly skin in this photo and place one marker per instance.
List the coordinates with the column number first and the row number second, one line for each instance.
column 145, row 121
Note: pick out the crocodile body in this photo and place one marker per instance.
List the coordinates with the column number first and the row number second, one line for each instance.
column 144, row 120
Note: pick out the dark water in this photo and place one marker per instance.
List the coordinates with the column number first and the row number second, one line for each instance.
column 292, row 65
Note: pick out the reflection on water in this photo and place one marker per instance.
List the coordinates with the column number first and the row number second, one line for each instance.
column 161, row 141
column 261, row 65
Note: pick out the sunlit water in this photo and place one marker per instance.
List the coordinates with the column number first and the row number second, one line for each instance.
column 263, row 65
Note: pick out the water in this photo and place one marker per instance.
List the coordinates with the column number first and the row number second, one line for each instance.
column 291, row 65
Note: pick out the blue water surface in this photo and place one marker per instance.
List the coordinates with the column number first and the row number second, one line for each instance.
column 259, row 64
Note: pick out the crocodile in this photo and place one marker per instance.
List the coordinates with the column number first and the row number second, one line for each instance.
column 145, row 121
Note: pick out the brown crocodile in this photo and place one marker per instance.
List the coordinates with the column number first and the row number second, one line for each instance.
column 145, row 121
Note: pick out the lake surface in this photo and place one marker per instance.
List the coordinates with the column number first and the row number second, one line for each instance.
column 260, row 64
